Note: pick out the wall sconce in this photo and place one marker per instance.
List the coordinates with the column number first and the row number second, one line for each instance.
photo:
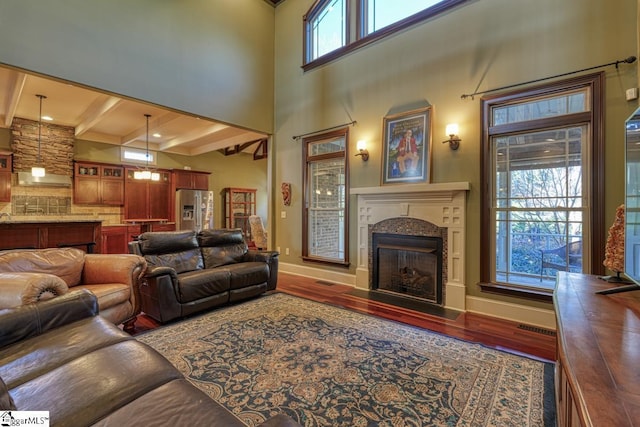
column 362, row 148
column 454, row 139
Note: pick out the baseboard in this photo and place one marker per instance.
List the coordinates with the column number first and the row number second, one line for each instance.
column 318, row 273
column 487, row 307
column 512, row 312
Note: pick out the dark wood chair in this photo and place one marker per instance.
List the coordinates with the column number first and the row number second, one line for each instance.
column 562, row 258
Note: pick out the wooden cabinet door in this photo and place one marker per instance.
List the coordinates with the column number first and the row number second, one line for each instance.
column 201, row 181
column 87, row 190
column 114, row 240
column 5, row 186
column 159, row 200
column 5, row 177
column 136, row 204
column 183, row 180
column 112, row 192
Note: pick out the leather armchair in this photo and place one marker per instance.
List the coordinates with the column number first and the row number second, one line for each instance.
column 35, row 275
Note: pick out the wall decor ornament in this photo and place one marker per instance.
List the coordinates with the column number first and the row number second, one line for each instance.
column 406, row 147
column 285, row 187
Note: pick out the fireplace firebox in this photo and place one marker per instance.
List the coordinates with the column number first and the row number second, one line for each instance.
column 408, row 265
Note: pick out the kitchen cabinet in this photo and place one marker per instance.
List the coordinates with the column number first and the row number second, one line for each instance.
column 239, row 204
column 191, row 180
column 116, row 238
column 98, row 184
column 145, row 199
column 5, row 176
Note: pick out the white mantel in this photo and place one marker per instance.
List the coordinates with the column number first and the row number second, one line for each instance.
column 442, row 204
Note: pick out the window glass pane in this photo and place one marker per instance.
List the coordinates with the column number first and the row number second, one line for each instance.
column 328, row 28
column 538, row 203
column 381, row 13
column 327, row 146
column 326, row 199
column 568, row 103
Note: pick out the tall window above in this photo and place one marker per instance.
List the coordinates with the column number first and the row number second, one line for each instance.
column 382, row 13
column 325, row 216
column 328, row 24
column 326, row 28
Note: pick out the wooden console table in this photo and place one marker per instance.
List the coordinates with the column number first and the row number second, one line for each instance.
column 598, row 353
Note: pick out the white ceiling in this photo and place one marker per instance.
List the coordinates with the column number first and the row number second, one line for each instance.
column 114, row 120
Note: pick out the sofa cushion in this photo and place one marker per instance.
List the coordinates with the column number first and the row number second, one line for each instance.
column 202, row 284
column 222, row 246
column 247, row 274
column 66, row 263
column 110, row 294
column 180, row 261
column 165, row 242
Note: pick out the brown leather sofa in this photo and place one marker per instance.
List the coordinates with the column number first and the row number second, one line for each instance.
column 114, row 279
column 60, row 356
column 189, row 272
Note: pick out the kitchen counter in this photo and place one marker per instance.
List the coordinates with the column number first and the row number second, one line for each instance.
column 39, row 234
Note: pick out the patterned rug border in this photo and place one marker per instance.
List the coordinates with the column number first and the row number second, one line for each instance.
column 166, row 339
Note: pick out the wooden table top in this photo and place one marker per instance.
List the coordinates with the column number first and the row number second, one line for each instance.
column 599, row 346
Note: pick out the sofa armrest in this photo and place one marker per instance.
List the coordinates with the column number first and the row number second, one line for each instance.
column 26, row 288
column 161, row 270
column 271, row 258
column 265, row 256
column 30, row 320
column 115, row 268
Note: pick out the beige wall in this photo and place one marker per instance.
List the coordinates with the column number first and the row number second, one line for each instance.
column 478, row 46
column 209, row 58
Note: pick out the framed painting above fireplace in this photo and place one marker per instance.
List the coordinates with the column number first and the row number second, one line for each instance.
column 406, row 147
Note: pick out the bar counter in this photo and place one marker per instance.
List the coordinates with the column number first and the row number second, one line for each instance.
column 39, row 234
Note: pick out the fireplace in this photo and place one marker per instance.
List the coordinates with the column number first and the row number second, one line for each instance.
column 409, row 266
column 435, row 211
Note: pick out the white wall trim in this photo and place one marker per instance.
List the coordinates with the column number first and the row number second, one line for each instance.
column 508, row 311
column 318, row 274
column 512, row 312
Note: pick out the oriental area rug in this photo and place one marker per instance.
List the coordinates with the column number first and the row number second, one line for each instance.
column 327, row 366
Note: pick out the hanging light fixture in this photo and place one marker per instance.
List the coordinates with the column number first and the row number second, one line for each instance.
column 146, row 173
column 38, row 169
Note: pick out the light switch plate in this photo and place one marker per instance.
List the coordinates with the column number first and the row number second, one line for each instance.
column 631, row 94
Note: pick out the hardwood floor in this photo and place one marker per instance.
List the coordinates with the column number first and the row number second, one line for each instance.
column 489, row 331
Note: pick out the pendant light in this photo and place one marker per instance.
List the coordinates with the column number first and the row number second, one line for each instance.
column 38, row 169
column 146, row 173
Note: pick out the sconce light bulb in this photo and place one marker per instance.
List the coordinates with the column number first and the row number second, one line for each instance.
column 361, row 145
column 452, row 129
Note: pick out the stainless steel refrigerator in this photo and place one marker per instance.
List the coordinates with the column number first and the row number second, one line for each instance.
column 194, row 210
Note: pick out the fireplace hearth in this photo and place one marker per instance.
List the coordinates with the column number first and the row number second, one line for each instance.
column 408, row 265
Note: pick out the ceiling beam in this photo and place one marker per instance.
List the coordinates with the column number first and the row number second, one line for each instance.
column 193, row 136
column 95, row 112
column 14, row 92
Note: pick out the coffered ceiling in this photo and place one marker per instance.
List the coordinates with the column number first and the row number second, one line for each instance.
column 115, row 120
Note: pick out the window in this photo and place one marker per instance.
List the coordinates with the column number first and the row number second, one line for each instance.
column 137, row 156
column 327, row 25
column 382, row 13
column 541, row 166
column 326, row 28
column 325, row 222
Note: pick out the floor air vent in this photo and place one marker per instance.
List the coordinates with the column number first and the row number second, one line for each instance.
column 537, row 330
column 322, row 282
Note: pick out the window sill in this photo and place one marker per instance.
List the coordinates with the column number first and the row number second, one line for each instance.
column 528, row 293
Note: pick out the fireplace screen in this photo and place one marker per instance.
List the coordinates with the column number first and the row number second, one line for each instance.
column 408, row 265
